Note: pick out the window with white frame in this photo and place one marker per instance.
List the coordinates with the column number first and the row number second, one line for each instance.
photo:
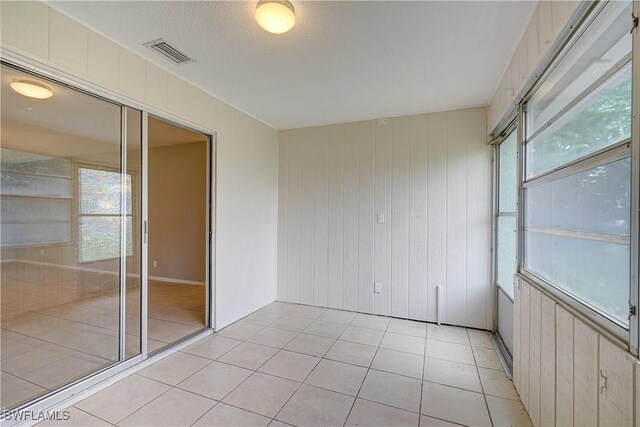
column 36, row 198
column 506, row 215
column 99, row 217
column 577, row 168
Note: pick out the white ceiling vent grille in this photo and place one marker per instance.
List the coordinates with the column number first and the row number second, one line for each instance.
column 169, row 52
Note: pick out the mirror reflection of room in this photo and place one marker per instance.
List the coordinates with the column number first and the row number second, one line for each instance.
column 177, row 232
column 63, row 221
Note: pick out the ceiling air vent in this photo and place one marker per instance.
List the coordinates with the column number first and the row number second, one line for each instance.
column 169, row 52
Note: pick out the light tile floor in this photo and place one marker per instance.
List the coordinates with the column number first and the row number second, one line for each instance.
column 297, row 365
column 58, row 325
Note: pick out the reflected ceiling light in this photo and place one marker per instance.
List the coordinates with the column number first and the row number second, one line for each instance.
column 275, row 16
column 31, row 89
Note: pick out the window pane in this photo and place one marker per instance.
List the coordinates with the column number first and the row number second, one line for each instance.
column 28, row 185
column 594, row 272
column 603, row 44
column 25, row 162
column 577, row 235
column 594, row 201
column 506, row 256
column 100, row 237
column 100, row 192
column 35, row 234
column 508, row 178
column 27, row 210
column 601, row 119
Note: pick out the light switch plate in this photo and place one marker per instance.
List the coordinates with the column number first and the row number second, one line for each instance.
column 377, row 288
column 380, row 218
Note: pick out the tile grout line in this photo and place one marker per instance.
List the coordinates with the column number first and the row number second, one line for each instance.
column 484, row 396
column 278, row 349
column 422, row 380
column 310, row 372
column 366, row 374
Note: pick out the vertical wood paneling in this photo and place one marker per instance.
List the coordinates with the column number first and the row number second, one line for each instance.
column 564, row 367
column 517, row 314
column 294, row 151
column 103, row 62
column 68, row 44
column 24, row 27
column 156, row 86
column 382, row 261
column 283, row 174
column 336, row 230
column 456, row 223
column 616, row 385
column 350, row 224
column 547, row 361
column 437, row 205
column 418, row 223
column 478, row 223
column 523, row 62
column 404, row 169
column 545, row 27
column 132, row 78
column 525, row 351
column 176, row 93
column 534, row 355
column 560, row 12
column 321, row 217
column 307, row 215
column 247, row 149
column 400, row 146
column 366, row 166
column 585, row 375
column 533, row 51
column 637, row 368
column 582, row 378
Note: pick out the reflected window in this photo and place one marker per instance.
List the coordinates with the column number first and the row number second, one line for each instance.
column 36, row 198
column 99, row 214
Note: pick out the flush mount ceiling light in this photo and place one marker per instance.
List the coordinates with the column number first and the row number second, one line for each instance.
column 31, row 89
column 275, row 16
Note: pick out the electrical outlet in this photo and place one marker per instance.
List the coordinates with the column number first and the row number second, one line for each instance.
column 380, row 218
column 377, row 287
column 155, row 263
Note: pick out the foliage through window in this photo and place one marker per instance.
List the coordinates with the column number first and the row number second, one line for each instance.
column 99, row 226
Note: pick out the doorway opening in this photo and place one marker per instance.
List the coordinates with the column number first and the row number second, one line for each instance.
column 179, row 170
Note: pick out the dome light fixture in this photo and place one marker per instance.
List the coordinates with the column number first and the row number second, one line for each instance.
column 31, row 89
column 275, row 16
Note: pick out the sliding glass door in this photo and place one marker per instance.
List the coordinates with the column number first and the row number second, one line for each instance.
column 505, row 259
column 70, row 232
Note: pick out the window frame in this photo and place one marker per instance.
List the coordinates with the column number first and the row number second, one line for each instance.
column 82, row 165
column 628, row 148
column 69, row 200
column 510, row 130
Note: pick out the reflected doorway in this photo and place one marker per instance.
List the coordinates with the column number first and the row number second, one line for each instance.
column 178, row 237
column 69, row 236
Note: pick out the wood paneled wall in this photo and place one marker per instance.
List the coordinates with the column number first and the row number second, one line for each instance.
column 547, row 21
column 566, row 372
column 246, row 158
column 430, row 175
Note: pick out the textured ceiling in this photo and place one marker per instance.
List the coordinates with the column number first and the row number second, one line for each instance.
column 343, row 61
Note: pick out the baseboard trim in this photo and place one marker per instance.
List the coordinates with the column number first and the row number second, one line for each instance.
column 112, row 273
column 176, row 281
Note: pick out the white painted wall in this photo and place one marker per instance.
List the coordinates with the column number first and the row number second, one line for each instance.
column 430, row 175
column 547, row 21
column 565, row 371
column 246, row 154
